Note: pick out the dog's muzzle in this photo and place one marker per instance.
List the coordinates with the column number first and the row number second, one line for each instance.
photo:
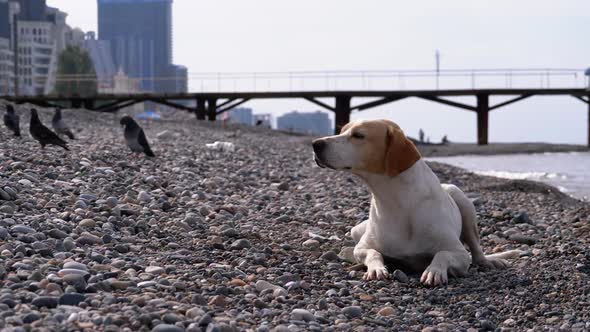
column 319, row 146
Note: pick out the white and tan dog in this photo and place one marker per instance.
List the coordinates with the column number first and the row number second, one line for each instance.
column 413, row 218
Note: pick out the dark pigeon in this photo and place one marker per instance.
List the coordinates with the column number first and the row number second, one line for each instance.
column 59, row 126
column 12, row 121
column 43, row 134
column 135, row 137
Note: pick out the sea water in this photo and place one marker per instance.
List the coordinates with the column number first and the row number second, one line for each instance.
column 569, row 172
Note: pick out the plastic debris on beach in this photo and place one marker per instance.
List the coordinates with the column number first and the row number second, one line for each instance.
column 221, row 146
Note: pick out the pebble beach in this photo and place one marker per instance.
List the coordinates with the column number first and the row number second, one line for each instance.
column 256, row 239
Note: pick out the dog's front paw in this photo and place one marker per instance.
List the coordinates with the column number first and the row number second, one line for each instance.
column 434, row 276
column 376, row 273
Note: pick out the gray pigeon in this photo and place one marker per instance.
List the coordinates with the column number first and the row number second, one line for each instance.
column 43, row 134
column 59, row 126
column 12, row 121
column 135, row 137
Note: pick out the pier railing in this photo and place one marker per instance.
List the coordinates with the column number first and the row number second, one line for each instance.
column 341, row 80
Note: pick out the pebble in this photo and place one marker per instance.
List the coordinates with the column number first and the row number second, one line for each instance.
column 22, row 229
column 111, row 202
column 302, row 314
column 143, row 196
column 523, row 239
column 352, row 311
column 240, row 244
column 89, row 239
column 3, row 233
column 155, row 270
column 386, row 311
column 400, row 276
column 88, row 223
column 45, row 301
column 311, row 244
column 75, row 266
column 72, row 299
column 167, row 328
column 347, row 254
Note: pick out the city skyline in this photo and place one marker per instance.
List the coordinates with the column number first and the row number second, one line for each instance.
column 229, row 36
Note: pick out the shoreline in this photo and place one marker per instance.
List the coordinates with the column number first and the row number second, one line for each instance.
column 460, row 149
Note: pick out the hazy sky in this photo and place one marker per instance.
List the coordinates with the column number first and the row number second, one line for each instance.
column 270, row 35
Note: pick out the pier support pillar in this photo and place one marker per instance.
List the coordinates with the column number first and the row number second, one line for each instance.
column 201, row 110
column 483, row 110
column 212, row 109
column 342, row 112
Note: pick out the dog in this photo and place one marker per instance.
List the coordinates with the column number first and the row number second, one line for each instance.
column 413, row 218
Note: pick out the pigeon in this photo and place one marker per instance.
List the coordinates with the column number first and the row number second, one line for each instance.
column 12, row 121
column 43, row 134
column 59, row 126
column 135, row 137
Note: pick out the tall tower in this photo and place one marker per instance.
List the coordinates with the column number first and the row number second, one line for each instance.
column 140, row 34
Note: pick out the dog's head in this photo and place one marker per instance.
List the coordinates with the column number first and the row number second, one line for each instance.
column 377, row 146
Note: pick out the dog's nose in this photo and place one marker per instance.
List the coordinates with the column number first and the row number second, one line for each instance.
column 319, row 145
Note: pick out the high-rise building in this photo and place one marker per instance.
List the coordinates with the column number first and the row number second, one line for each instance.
column 104, row 67
column 241, row 115
column 140, row 33
column 6, row 53
column 316, row 123
column 31, row 37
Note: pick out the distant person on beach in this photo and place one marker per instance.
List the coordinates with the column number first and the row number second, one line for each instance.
column 445, row 140
column 421, row 135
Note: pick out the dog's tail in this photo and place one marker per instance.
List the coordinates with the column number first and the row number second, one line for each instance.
column 510, row 254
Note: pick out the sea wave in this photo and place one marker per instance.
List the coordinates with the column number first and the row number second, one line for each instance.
column 536, row 176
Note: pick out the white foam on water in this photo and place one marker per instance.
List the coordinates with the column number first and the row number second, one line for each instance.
column 569, row 172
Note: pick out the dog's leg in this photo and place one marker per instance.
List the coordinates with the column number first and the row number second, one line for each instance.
column 358, row 231
column 376, row 269
column 455, row 263
column 469, row 231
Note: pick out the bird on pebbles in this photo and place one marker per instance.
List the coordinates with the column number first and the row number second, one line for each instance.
column 43, row 134
column 12, row 121
column 59, row 125
column 135, row 137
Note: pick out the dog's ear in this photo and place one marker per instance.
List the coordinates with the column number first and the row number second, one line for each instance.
column 401, row 153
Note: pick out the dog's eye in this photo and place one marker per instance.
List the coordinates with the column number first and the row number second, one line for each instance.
column 358, row 135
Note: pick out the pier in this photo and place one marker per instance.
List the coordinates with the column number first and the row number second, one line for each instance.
column 208, row 105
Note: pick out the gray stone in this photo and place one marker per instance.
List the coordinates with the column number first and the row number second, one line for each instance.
column 57, row 234
column 400, row 276
column 522, row 217
column 45, row 301
column 330, row 256
column 88, row 239
column 523, row 239
column 302, row 314
column 144, row 196
column 75, row 266
column 112, row 202
column 7, row 209
column 352, row 311
column 155, row 270
column 240, row 244
column 3, row 233
column 71, row 299
column 31, row 317
column 22, row 229
column 167, row 328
